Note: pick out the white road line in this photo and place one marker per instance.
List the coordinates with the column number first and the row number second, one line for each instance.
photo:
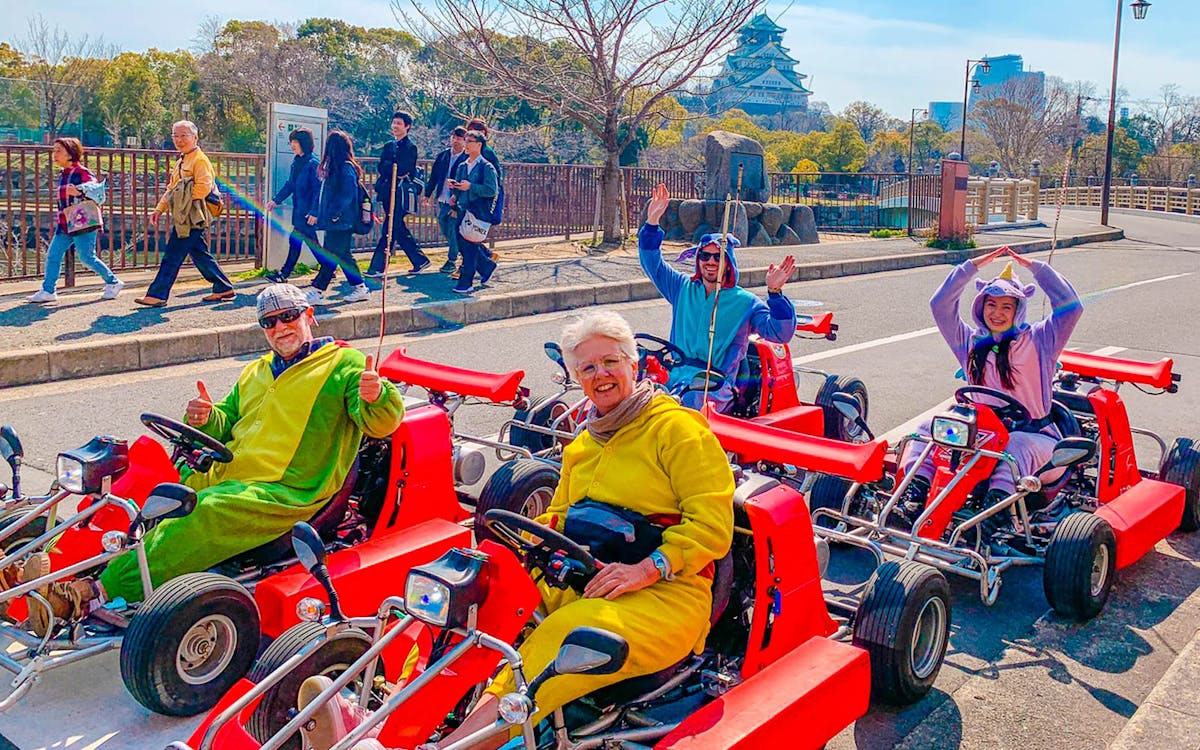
column 1108, row 351
column 864, row 345
column 1137, row 283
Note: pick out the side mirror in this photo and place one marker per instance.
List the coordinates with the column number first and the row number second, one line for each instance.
column 10, row 445
column 169, row 500
column 1071, row 451
column 847, row 406
column 555, row 353
column 308, row 546
column 585, row 650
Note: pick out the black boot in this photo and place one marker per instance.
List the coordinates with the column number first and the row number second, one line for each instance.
column 911, row 503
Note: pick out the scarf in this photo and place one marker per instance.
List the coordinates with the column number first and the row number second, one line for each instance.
column 603, row 427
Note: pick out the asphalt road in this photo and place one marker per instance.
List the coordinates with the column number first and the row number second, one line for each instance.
column 1015, row 676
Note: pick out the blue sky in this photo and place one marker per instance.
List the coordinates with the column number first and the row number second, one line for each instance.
column 896, row 53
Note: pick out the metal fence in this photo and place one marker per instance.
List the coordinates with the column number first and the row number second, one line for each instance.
column 862, row 201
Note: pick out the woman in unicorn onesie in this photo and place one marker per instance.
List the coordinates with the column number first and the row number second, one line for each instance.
column 1003, row 352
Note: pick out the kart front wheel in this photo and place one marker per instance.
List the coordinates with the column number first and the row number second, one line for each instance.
column 903, row 623
column 1181, row 466
column 837, row 427
column 1081, row 562
column 330, row 659
column 522, row 486
column 192, row 639
column 31, row 530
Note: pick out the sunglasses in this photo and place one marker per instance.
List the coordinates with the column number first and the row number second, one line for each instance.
column 589, row 370
column 703, row 256
column 287, row 316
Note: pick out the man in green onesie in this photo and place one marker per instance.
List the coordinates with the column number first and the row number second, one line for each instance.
column 294, row 421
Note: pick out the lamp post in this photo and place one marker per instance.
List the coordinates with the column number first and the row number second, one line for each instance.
column 984, row 67
column 912, row 124
column 1139, row 12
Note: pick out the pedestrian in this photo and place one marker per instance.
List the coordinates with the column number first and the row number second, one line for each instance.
column 489, row 154
column 403, row 154
column 473, row 191
column 75, row 182
column 192, row 185
column 443, row 167
column 341, row 175
column 304, row 187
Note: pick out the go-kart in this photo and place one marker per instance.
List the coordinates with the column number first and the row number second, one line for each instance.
column 195, row 635
column 775, row 670
column 1089, row 512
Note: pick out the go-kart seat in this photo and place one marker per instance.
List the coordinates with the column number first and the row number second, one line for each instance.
column 325, row 521
column 626, row 690
column 1064, row 419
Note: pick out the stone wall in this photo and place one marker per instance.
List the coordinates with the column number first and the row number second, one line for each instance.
column 754, row 224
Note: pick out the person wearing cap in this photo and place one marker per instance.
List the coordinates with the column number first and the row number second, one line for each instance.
column 1003, row 352
column 739, row 313
column 293, row 420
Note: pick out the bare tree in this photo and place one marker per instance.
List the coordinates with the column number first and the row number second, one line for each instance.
column 1025, row 120
column 866, row 118
column 62, row 68
column 606, row 65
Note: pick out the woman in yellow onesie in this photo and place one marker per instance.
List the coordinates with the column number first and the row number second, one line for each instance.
column 644, row 452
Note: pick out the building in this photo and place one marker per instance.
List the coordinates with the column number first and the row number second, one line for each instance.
column 948, row 115
column 1004, row 72
column 758, row 76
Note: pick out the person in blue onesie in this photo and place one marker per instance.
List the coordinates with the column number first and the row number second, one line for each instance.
column 739, row 312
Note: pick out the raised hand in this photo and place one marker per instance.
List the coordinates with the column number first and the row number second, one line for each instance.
column 983, row 260
column 370, row 385
column 659, row 200
column 199, row 409
column 1020, row 259
column 777, row 276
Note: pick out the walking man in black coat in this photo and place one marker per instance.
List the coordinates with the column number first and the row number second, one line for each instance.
column 402, row 153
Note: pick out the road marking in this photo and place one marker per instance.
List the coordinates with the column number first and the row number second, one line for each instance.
column 864, row 345
column 1136, row 283
column 1108, row 351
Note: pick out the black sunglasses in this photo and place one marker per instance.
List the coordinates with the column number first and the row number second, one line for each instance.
column 287, row 316
column 703, row 256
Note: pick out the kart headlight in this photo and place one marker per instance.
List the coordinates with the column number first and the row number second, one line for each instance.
column 953, row 431
column 443, row 592
column 90, row 469
column 310, row 609
column 70, row 474
column 515, row 708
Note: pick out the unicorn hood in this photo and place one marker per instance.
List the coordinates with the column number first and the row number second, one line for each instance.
column 1005, row 285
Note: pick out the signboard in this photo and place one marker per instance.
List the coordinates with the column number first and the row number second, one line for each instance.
column 754, row 176
column 282, row 120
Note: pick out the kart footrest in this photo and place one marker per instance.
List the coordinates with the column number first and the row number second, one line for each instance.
column 1141, row 516
column 801, row 701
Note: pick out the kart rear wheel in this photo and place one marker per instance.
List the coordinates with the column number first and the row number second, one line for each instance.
column 837, row 427
column 189, row 643
column 278, row 704
column 1081, row 563
column 903, row 622
column 1181, row 465
column 523, row 486
column 827, row 492
column 541, row 414
column 32, row 530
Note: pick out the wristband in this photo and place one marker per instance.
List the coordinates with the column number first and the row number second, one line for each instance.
column 774, row 291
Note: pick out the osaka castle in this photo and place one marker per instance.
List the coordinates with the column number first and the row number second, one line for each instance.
column 759, row 77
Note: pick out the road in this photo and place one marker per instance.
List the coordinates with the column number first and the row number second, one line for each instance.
column 1015, row 676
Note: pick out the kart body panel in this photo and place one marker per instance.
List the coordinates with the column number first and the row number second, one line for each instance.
column 434, row 376
column 1142, row 516
column 421, row 475
column 1153, row 374
column 991, row 435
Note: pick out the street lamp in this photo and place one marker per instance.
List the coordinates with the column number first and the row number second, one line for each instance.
column 912, row 124
column 1139, row 12
column 984, row 67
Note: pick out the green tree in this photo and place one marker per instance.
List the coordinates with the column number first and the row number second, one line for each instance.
column 1127, row 154
column 129, row 98
column 883, row 151
column 866, row 118
column 842, row 149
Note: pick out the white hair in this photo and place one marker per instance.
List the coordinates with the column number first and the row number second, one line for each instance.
column 605, row 323
column 187, row 124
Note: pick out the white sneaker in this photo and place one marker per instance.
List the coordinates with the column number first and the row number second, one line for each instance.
column 42, row 296
column 112, row 290
column 315, row 296
column 359, row 294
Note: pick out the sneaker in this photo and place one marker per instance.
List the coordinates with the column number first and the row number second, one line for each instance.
column 275, row 277
column 333, row 721
column 911, row 504
column 359, row 294
column 463, row 291
column 315, row 296
column 487, row 275
column 112, row 290
column 455, row 274
column 374, row 274
column 419, row 267
column 448, row 266
column 41, row 296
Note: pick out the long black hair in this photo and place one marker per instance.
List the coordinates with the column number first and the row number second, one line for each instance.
column 339, row 150
column 977, row 359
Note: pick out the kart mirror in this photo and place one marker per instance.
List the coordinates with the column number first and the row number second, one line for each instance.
column 308, row 546
column 1071, row 451
column 169, row 500
column 10, row 445
column 847, row 406
column 585, row 650
column 555, row 353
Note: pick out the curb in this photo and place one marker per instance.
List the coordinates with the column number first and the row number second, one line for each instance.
column 1169, row 716
column 133, row 353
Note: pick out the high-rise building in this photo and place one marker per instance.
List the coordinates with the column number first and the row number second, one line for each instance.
column 1003, row 74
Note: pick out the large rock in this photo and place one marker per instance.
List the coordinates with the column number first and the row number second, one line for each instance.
column 722, row 150
column 691, row 215
column 804, row 224
column 786, row 236
column 702, row 230
column 674, row 233
column 772, row 218
column 785, row 210
column 753, row 210
column 759, row 236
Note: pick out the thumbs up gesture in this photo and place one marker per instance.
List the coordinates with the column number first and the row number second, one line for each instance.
column 370, row 385
column 199, row 408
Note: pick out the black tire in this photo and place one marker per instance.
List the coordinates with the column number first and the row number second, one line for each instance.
column 540, row 414
column 278, row 704
column 32, row 530
column 151, row 649
column 523, row 486
column 903, row 622
column 827, row 492
column 836, row 426
column 1181, row 466
column 1081, row 563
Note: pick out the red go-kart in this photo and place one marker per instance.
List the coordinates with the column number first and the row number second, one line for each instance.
column 1101, row 514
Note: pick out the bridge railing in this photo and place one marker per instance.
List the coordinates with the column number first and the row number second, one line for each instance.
column 1006, row 200
column 1177, row 200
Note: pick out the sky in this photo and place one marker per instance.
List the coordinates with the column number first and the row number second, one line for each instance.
column 897, row 54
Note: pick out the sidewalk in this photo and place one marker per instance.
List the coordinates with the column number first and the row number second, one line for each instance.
column 80, row 336
column 1170, row 715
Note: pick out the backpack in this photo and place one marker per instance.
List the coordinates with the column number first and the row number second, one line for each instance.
column 498, row 206
column 364, row 219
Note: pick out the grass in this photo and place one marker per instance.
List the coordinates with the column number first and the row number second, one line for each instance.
column 885, row 233
column 951, row 243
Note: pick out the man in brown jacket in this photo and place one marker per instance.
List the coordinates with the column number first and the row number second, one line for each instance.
column 190, row 218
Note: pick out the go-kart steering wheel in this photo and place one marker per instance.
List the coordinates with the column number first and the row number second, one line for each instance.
column 563, row 562
column 667, row 353
column 1011, row 411
column 196, row 449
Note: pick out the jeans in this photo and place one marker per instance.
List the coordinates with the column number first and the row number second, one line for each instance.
column 400, row 236
column 85, row 245
column 473, row 256
column 302, row 234
column 337, row 253
column 178, row 248
column 448, row 223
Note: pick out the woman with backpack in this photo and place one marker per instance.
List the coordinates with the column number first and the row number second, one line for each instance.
column 338, row 214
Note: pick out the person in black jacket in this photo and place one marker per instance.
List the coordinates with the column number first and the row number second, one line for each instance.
column 303, row 186
column 474, row 189
column 336, row 211
column 439, row 184
column 403, row 154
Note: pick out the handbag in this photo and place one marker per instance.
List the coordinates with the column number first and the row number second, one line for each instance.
column 83, row 216
column 473, row 229
column 611, row 533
